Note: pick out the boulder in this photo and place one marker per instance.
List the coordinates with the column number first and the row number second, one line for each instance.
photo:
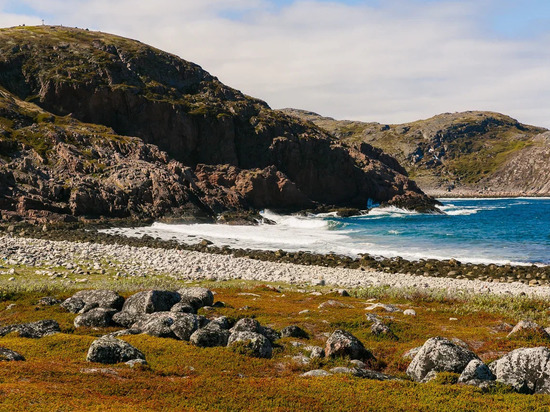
column 48, row 301
column 33, row 330
column 381, row 329
column 247, row 325
column 386, row 307
column 169, row 325
column 8, row 355
column 316, row 373
column 197, row 297
column 73, row 305
column 409, row 312
column 183, row 307
column 250, row 343
column 294, row 331
column 333, row 304
column 527, row 370
column 102, row 298
column 95, row 318
column 111, row 350
column 210, row 337
column 342, row 343
column 439, row 355
column 528, row 328
column 362, row 373
column 475, row 372
column 127, row 319
column 151, row 301
column 221, row 322
column 270, row 334
column 316, row 352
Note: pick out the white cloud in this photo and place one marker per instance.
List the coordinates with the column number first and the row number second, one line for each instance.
column 399, row 62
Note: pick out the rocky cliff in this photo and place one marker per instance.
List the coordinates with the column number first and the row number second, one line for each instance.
column 469, row 153
column 124, row 129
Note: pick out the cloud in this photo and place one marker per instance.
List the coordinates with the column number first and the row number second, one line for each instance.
column 391, row 61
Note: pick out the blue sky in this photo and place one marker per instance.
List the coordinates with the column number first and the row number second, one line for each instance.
column 390, row 61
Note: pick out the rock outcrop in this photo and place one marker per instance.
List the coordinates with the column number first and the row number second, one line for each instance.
column 468, row 153
column 98, row 125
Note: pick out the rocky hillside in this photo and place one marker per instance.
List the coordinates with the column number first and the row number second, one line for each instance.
column 71, row 99
column 469, row 153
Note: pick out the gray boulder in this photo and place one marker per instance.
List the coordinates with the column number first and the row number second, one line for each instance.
column 439, row 355
column 221, row 322
column 247, row 325
column 210, row 337
column 151, row 301
column 111, row 350
column 342, row 343
column 48, row 301
column 362, row 373
column 197, row 297
column 33, row 330
column 100, row 298
column 73, row 305
column 294, row 331
column 527, row 370
column 127, row 319
column 170, row 325
column 95, row 318
column 270, row 334
column 316, row 373
column 381, row 329
column 476, row 372
column 8, row 355
column 183, row 307
column 251, row 343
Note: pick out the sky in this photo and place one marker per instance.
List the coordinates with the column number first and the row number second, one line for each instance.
column 390, row 61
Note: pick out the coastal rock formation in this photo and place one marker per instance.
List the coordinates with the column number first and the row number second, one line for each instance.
column 97, row 125
column 465, row 153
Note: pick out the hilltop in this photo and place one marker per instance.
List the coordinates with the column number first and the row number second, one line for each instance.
column 94, row 125
column 467, row 153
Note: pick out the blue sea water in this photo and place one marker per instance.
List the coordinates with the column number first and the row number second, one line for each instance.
column 512, row 230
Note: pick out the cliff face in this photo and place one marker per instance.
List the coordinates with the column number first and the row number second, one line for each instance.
column 469, row 153
column 189, row 119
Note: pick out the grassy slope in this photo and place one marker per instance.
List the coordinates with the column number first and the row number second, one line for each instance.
column 182, row 377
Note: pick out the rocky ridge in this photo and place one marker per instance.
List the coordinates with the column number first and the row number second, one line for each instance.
column 93, row 124
column 470, row 153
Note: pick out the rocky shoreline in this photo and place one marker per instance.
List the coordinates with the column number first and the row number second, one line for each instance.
column 88, row 252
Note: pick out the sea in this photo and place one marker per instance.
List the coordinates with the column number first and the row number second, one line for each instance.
column 482, row 231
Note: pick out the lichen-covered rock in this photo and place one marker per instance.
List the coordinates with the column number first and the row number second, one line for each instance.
column 294, row 331
column 247, row 325
column 48, row 301
column 221, row 322
column 174, row 325
column 127, row 319
column 101, row 297
column 342, row 343
column 316, row 373
column 527, row 370
column 381, row 329
column 439, row 355
column 73, row 305
column 270, row 334
column 183, row 307
column 210, row 337
column 111, row 350
column 197, row 297
column 250, row 343
column 151, row 301
column 95, row 318
column 33, row 330
column 476, row 372
column 8, row 355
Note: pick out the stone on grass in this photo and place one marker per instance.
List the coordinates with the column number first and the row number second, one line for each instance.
column 73, row 305
column 270, row 334
column 151, row 301
column 381, row 329
column 527, row 370
column 111, row 350
column 439, row 355
column 386, row 307
column 127, row 319
column 197, row 297
column 48, row 301
column 409, row 312
column 8, row 355
column 250, row 343
column 95, row 318
column 221, row 322
column 475, row 372
column 316, row 373
column 33, row 330
column 333, row 304
column 209, row 337
column 247, row 325
column 294, row 331
column 132, row 363
column 169, row 325
column 342, row 343
column 101, row 297
column 316, row 352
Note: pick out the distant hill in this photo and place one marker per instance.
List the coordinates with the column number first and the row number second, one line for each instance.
column 469, row 153
column 97, row 125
